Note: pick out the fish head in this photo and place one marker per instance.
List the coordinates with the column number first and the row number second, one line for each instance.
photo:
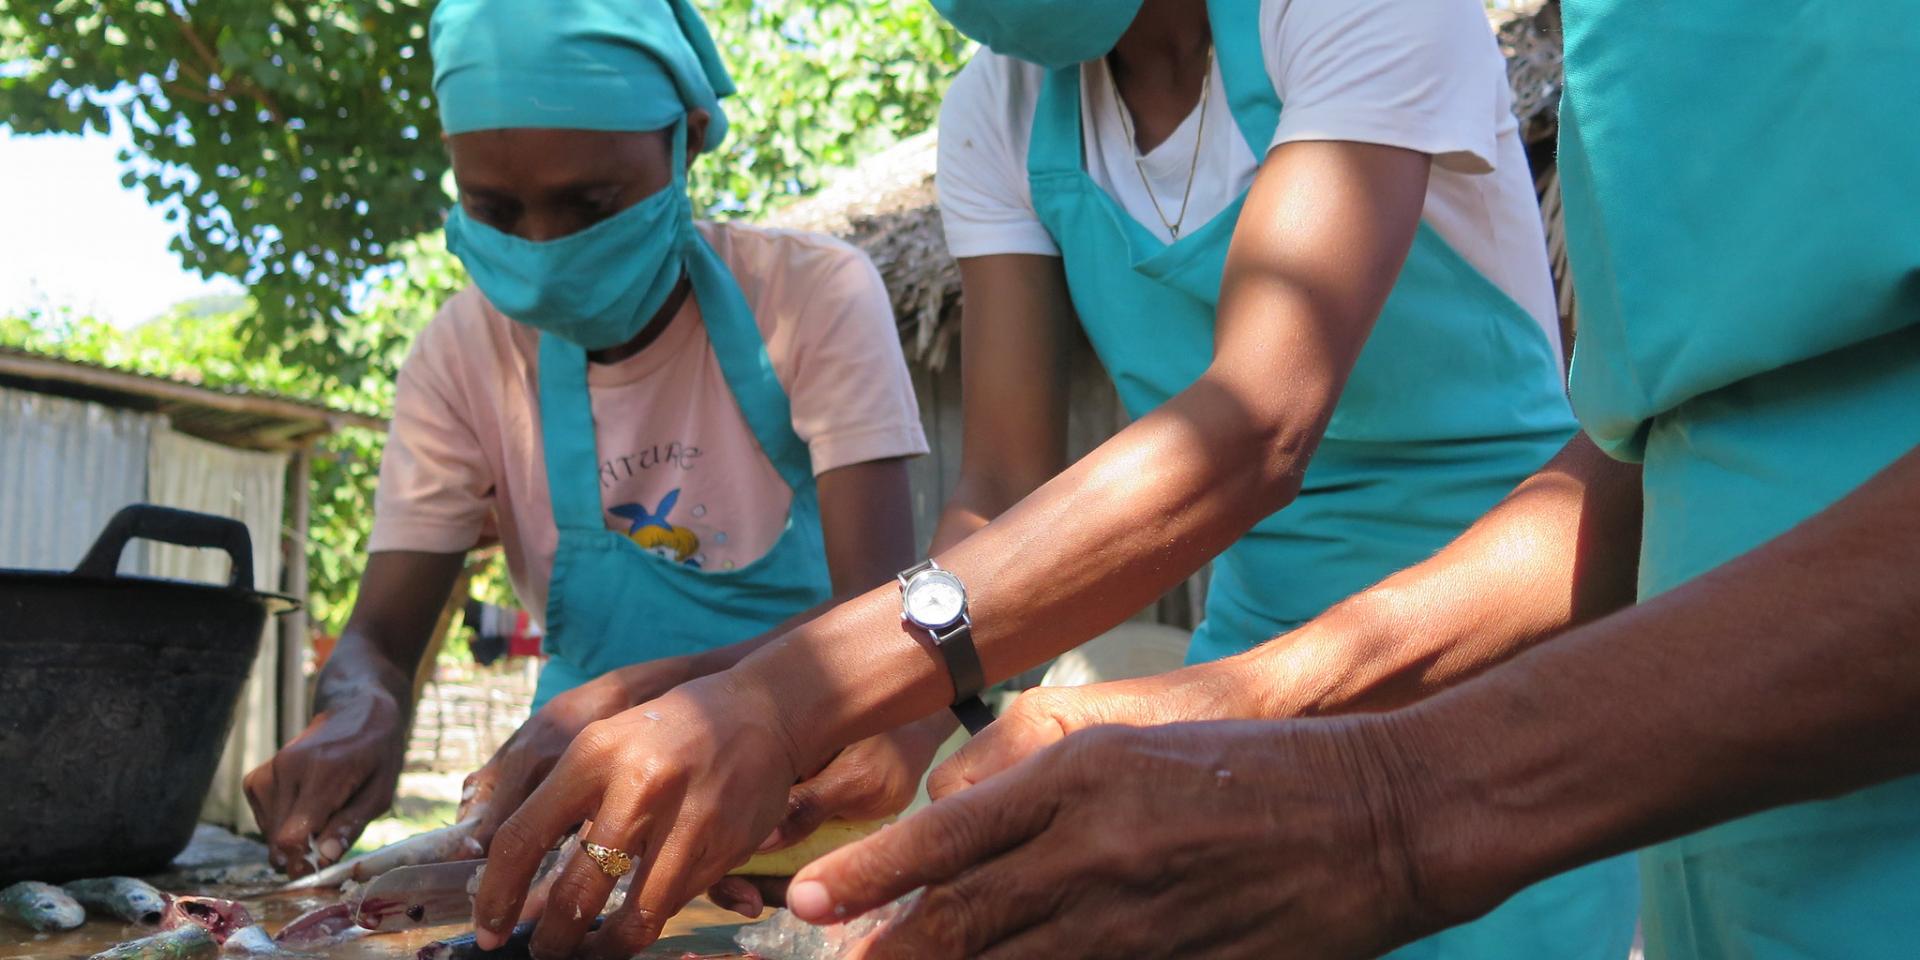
column 56, row 912
column 152, row 906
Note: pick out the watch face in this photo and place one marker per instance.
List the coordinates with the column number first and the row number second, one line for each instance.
column 935, row 599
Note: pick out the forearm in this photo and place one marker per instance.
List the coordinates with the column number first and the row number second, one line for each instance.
column 1078, row 556
column 363, row 663
column 1787, row 675
column 1322, row 237
column 1560, row 551
column 725, row 658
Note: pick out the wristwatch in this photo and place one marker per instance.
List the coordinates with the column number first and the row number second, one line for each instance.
column 935, row 600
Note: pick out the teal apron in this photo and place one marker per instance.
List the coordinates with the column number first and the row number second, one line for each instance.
column 1745, row 232
column 1455, row 399
column 612, row 604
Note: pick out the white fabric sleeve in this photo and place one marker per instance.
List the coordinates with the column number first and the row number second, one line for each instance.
column 1423, row 75
column 986, row 202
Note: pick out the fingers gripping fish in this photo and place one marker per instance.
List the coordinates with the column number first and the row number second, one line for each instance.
column 435, row 846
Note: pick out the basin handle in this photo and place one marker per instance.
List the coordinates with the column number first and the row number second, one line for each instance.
column 182, row 528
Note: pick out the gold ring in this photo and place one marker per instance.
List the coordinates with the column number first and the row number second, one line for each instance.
column 613, row 863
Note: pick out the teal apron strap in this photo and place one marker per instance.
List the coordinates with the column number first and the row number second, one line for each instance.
column 1243, row 65
column 566, row 436
column 745, row 365
column 1057, row 145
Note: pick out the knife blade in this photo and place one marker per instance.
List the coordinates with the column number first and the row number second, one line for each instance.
column 410, row 898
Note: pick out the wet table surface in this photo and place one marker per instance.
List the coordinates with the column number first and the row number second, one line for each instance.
column 702, row 930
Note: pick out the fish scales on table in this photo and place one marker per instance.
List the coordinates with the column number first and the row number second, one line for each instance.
column 42, row 907
column 134, row 901
column 188, row 942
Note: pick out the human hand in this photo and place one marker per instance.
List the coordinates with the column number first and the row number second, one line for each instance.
column 690, row 784
column 1221, row 840
column 871, row 780
column 314, row 797
column 497, row 789
column 1042, row 717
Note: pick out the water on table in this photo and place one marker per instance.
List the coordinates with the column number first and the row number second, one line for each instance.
column 701, row 929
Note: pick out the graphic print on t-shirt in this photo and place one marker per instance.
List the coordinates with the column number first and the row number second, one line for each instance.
column 654, row 533
column 657, row 496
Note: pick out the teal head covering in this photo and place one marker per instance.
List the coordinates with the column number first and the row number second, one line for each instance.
column 622, row 65
column 1051, row 33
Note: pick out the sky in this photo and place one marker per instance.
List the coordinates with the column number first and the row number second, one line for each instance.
column 71, row 236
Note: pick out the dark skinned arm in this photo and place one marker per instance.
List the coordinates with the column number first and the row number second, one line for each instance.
column 1557, row 553
column 1016, row 320
column 340, row 773
column 1325, row 231
column 1790, row 674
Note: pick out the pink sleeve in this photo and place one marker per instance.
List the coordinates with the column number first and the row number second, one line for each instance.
column 852, row 397
column 435, row 493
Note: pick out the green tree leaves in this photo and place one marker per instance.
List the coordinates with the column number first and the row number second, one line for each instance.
column 297, row 145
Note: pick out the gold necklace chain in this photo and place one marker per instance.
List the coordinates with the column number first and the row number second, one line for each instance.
column 1133, row 146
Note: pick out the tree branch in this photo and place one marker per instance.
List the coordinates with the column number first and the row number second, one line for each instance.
column 186, row 92
column 215, row 68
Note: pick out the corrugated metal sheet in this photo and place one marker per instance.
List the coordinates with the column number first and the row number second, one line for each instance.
column 65, row 468
column 250, row 487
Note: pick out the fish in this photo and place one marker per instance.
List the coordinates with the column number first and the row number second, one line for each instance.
column 221, row 918
column 254, row 941
column 435, row 846
column 784, row 936
column 464, row 947
column 131, row 900
column 189, row 942
column 41, row 906
column 320, row 926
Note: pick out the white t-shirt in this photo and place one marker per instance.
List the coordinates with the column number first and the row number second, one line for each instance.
column 1424, row 75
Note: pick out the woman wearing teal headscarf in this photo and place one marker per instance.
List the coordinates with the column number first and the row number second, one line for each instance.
column 683, row 435
column 1331, row 318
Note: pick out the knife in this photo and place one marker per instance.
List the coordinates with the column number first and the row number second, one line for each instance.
column 410, row 898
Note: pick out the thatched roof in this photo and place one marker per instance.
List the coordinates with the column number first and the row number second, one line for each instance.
column 887, row 207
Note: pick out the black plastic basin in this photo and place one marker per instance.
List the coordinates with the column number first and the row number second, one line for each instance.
column 116, row 697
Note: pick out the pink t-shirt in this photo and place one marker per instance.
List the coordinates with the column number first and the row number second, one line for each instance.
column 680, row 470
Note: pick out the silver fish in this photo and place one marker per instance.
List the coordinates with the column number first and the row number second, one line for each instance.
column 189, row 942
column 255, row 942
column 131, row 900
column 41, row 906
column 435, row 846
column 321, row 926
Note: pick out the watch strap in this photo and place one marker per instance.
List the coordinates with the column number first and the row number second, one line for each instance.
column 963, row 661
column 973, row 714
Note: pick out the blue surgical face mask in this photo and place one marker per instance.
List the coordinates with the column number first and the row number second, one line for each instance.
column 597, row 288
column 1051, row 33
